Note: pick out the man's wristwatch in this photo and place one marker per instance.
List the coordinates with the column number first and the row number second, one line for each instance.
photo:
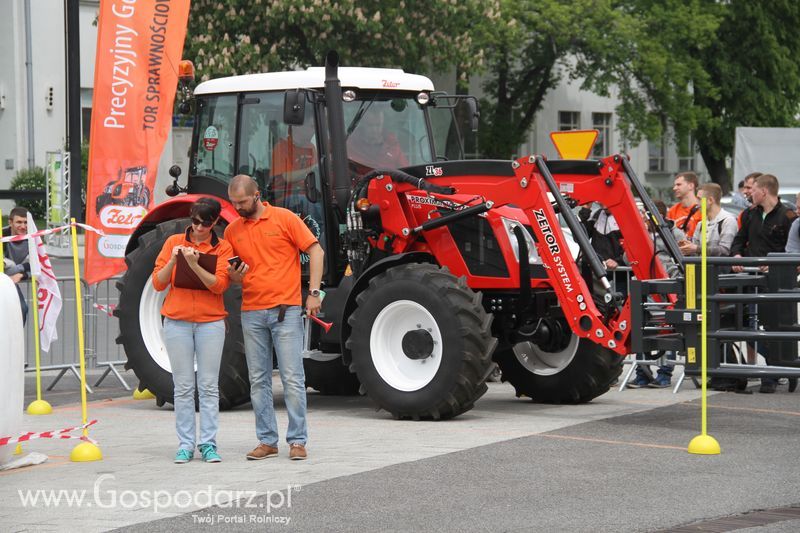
column 314, row 292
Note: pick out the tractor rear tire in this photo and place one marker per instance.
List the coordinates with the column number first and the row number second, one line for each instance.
column 141, row 332
column 421, row 343
column 330, row 378
column 590, row 373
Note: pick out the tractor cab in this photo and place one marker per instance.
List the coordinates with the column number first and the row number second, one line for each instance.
column 273, row 127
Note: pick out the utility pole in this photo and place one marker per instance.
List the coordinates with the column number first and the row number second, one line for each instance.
column 73, row 59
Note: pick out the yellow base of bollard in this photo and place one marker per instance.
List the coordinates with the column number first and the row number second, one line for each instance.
column 18, row 450
column 143, row 395
column 704, row 445
column 39, row 407
column 85, row 452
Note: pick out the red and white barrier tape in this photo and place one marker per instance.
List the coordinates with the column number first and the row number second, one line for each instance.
column 48, row 231
column 108, row 309
column 59, row 434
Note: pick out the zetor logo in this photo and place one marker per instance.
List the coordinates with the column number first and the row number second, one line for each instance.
column 431, row 170
column 118, row 216
column 390, row 84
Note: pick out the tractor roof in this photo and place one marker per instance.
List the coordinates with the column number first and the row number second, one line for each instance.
column 314, row 78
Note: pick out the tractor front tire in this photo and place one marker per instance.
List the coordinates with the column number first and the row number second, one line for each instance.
column 582, row 373
column 141, row 330
column 421, row 343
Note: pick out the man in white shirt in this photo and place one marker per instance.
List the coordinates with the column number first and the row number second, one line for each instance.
column 722, row 226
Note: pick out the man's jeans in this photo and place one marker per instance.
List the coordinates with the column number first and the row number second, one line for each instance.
column 184, row 341
column 262, row 332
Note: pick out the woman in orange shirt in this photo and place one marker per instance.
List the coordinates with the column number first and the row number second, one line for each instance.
column 194, row 326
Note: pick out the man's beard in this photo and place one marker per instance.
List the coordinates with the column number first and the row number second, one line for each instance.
column 246, row 213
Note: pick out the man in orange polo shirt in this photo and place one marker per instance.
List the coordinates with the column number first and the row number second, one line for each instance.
column 686, row 213
column 268, row 240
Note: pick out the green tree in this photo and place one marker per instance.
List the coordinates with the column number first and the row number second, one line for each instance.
column 534, row 45
column 247, row 36
column 706, row 67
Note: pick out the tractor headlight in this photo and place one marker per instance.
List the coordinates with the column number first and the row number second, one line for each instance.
column 533, row 256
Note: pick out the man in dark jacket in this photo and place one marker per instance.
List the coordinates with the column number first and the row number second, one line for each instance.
column 764, row 230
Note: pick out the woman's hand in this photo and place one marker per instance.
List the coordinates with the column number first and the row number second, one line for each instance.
column 191, row 255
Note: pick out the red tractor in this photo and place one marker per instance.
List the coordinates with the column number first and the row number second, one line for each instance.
column 434, row 272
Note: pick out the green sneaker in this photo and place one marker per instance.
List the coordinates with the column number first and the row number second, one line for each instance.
column 183, row 456
column 209, row 453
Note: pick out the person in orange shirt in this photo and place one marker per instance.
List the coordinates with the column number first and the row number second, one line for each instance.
column 292, row 159
column 686, row 213
column 194, row 327
column 268, row 240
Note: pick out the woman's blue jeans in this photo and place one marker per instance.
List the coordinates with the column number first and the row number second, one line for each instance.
column 203, row 341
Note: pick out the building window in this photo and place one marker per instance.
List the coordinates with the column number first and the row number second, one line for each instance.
column 657, row 151
column 686, row 154
column 86, row 122
column 602, row 123
column 569, row 120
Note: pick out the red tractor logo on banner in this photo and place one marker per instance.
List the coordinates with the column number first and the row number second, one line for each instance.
column 129, row 189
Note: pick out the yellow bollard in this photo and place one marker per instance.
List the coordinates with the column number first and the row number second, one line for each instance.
column 85, row 451
column 703, row 444
column 143, row 395
column 38, row 406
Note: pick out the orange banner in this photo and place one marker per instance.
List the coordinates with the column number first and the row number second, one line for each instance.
column 139, row 45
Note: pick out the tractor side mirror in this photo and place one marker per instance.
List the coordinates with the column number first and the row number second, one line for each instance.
column 294, row 107
column 312, row 193
column 174, row 189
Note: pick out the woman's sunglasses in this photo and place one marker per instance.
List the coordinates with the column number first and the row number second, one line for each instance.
column 205, row 223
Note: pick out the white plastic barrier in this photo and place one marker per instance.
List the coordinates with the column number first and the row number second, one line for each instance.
column 12, row 356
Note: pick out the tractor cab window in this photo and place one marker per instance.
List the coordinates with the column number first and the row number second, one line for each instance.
column 215, row 134
column 385, row 132
column 452, row 132
column 282, row 158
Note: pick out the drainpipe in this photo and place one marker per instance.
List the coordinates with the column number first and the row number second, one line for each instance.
column 29, row 82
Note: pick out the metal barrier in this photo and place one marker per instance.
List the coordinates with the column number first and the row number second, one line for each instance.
column 101, row 350
column 731, row 297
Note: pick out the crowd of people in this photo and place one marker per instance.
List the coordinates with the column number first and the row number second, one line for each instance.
column 765, row 225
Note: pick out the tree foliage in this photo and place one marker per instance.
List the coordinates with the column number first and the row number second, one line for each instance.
column 534, row 45
column 246, row 36
column 706, row 67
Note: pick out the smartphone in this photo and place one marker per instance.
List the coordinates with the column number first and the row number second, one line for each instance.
column 235, row 261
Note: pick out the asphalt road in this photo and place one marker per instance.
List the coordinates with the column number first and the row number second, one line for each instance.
column 626, row 473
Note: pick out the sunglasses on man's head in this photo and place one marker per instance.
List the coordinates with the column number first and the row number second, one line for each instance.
column 205, row 223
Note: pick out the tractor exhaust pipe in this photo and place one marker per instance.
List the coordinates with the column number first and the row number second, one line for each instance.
column 336, row 132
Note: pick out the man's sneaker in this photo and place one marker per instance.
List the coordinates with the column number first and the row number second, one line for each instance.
column 661, row 382
column 209, row 453
column 297, row 452
column 637, row 383
column 183, row 456
column 262, row 451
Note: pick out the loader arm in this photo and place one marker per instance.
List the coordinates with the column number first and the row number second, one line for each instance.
column 528, row 187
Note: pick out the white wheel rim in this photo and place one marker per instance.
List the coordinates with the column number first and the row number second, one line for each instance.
column 385, row 343
column 150, row 324
column 543, row 363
